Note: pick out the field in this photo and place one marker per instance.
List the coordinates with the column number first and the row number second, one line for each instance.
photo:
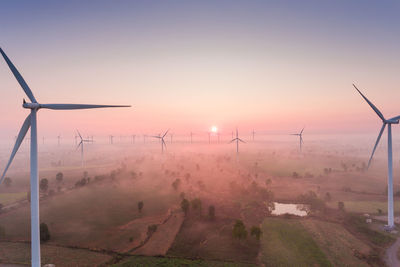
column 19, row 253
column 138, row 261
column 9, row 198
column 288, row 243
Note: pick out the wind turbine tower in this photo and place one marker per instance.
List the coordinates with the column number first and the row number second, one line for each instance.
column 31, row 122
column 237, row 140
column 388, row 122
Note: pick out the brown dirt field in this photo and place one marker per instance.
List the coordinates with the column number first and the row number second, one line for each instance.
column 162, row 239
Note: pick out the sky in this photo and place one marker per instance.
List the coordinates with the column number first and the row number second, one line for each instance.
column 272, row 66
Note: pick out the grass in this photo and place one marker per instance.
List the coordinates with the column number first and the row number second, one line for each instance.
column 172, row 262
column 358, row 224
column 337, row 243
column 90, row 216
column 8, row 198
column 288, row 243
column 367, row 206
column 19, row 253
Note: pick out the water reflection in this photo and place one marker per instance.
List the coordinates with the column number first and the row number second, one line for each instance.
column 294, row 209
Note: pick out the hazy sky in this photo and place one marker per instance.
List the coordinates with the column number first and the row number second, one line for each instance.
column 274, row 66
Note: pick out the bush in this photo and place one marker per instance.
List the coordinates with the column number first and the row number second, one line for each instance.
column 59, row 177
column 44, row 232
column 196, row 205
column 239, row 230
column 256, row 232
column 151, row 229
column 44, row 185
column 211, row 212
column 185, row 206
column 176, row 183
column 340, row 206
column 140, row 205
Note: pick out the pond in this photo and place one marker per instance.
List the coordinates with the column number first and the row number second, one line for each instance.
column 293, row 209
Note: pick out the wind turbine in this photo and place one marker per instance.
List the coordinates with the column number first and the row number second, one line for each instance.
column 237, row 139
column 191, row 137
column 133, row 138
column 31, row 122
column 161, row 138
column 300, row 135
column 58, row 138
column 388, row 122
column 111, row 139
column 81, row 145
column 253, row 133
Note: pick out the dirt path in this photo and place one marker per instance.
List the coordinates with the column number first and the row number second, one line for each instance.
column 391, row 254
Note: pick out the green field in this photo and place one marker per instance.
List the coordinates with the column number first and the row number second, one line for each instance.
column 172, row 262
column 287, row 243
column 366, row 206
column 8, row 198
column 87, row 216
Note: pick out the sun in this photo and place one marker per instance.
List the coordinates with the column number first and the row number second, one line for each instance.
column 214, row 129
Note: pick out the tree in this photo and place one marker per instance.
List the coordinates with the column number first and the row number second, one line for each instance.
column 59, row 177
column 196, row 205
column 2, row 232
column 340, row 206
column 379, row 211
column 328, row 196
column 239, row 230
column 211, row 212
column 151, row 229
column 176, row 183
column 256, row 232
column 44, row 185
column 44, row 232
column 7, row 181
column 140, row 205
column 185, row 206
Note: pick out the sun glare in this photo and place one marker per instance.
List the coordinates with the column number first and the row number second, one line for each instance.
column 214, row 129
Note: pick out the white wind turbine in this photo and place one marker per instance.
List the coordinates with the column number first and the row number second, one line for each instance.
column 237, row 139
column 300, row 135
column 81, row 145
column 388, row 122
column 31, row 122
column 161, row 138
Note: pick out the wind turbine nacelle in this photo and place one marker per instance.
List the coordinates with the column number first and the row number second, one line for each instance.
column 392, row 121
column 31, row 105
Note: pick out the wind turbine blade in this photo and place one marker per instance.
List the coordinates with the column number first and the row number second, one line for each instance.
column 79, row 134
column 79, row 106
column 302, row 130
column 241, row 140
column 395, row 118
column 233, row 140
column 376, row 144
column 19, row 78
column 372, row 105
column 80, row 143
column 20, row 138
column 163, row 143
column 301, row 139
column 155, row 136
column 165, row 133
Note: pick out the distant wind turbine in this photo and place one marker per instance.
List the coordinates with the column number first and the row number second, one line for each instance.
column 31, row 122
column 161, row 138
column 388, row 122
column 111, row 139
column 300, row 135
column 237, row 140
column 191, row 137
column 81, row 145
column 253, row 133
column 58, row 138
column 133, row 138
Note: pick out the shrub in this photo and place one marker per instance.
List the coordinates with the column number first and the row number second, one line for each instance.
column 44, row 185
column 7, row 181
column 256, row 232
column 44, row 232
column 140, row 206
column 59, row 177
column 239, row 230
column 185, row 206
column 340, row 206
column 211, row 212
column 196, row 205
